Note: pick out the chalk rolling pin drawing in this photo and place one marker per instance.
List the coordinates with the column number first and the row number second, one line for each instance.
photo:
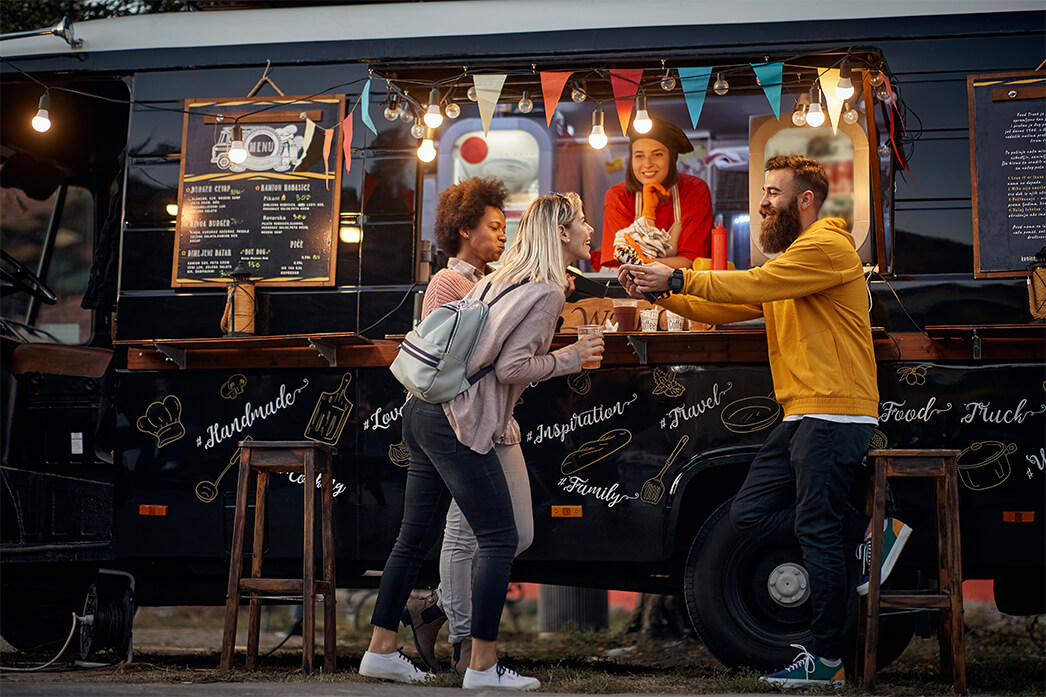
column 653, row 488
column 595, row 450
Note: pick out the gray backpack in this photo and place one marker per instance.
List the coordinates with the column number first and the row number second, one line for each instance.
column 434, row 356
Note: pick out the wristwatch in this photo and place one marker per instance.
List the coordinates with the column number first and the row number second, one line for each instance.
column 675, row 281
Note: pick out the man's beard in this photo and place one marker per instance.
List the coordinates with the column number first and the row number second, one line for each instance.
column 780, row 227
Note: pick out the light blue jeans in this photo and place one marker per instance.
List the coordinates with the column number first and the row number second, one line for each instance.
column 460, row 547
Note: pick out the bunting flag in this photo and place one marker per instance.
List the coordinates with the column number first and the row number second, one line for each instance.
column 328, row 136
column 346, row 140
column 310, row 132
column 695, row 84
column 551, row 90
column 829, row 79
column 365, row 111
column 626, row 86
column 488, row 91
column 770, row 75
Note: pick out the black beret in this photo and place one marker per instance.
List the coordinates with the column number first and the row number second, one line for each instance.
column 670, row 135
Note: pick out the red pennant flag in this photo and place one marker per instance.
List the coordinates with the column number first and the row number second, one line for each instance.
column 626, row 87
column 328, row 136
column 346, row 142
column 552, row 90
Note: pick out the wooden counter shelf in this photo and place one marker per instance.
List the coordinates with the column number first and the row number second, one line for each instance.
column 318, row 350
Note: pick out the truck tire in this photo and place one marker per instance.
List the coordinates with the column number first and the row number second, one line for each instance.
column 732, row 608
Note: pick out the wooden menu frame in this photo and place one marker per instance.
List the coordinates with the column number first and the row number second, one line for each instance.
column 278, row 212
column 992, row 227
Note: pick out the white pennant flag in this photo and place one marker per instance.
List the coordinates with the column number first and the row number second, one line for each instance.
column 488, row 90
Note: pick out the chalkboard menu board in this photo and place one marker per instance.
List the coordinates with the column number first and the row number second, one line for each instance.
column 277, row 211
column 1008, row 170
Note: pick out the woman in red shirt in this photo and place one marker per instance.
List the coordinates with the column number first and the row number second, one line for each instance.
column 668, row 214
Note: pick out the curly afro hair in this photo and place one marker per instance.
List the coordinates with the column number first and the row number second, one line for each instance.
column 461, row 206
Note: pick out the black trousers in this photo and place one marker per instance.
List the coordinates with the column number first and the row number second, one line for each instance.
column 799, row 488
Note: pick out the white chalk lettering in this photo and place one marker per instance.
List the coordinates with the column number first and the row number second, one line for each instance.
column 589, row 417
column 608, row 494
column 216, row 432
column 298, row 478
column 692, row 411
column 983, row 412
column 894, row 411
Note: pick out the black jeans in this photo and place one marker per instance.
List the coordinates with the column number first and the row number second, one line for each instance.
column 441, row 468
column 798, row 487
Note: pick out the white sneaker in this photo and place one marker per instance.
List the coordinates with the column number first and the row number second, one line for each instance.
column 392, row 666
column 498, row 677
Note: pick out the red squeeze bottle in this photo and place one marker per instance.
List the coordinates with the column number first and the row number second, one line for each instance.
column 719, row 247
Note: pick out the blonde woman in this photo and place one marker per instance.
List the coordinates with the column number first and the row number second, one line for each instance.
column 451, row 445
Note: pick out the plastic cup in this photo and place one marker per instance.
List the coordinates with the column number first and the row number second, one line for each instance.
column 590, row 330
column 625, row 314
column 648, row 319
column 673, row 322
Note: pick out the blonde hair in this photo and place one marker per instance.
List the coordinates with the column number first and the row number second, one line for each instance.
column 536, row 253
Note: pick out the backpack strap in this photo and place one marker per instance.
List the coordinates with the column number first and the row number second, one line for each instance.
column 482, row 372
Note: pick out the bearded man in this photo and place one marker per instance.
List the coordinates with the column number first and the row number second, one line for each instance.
column 815, row 302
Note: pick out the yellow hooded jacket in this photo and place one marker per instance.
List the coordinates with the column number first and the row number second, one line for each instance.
column 818, row 332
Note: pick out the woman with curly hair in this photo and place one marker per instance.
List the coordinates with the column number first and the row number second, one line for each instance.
column 452, row 445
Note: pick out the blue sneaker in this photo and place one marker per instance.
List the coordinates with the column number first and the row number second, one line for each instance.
column 807, row 669
column 895, row 536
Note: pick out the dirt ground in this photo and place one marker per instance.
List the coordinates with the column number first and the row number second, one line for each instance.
column 1005, row 655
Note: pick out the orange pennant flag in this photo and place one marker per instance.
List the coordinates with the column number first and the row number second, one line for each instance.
column 346, row 143
column 552, row 90
column 328, row 136
column 626, row 87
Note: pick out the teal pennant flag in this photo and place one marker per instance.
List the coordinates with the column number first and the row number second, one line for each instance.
column 769, row 75
column 365, row 108
column 695, row 84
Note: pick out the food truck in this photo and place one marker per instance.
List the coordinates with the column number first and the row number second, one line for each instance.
column 164, row 300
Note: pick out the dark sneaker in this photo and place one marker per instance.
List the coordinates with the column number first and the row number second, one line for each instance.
column 424, row 617
column 807, row 669
column 462, row 656
column 392, row 666
column 895, row 536
column 498, row 677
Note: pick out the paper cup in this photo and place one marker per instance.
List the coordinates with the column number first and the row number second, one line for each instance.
column 673, row 322
column 648, row 319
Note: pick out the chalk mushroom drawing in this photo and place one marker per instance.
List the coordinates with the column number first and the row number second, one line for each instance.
column 653, row 488
column 595, row 450
column 985, row 465
column 330, row 414
column 398, row 455
column 207, row 491
column 580, row 383
column 665, row 383
column 750, row 414
column 163, row 420
column 233, row 387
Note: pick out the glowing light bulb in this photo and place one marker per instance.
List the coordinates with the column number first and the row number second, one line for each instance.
column 875, row 78
column 577, row 94
column 172, row 210
column 598, row 137
column 472, row 94
column 814, row 115
column 452, row 110
column 526, row 104
column 851, row 115
column 392, row 110
column 42, row 120
column 668, row 83
column 433, row 116
column 427, row 150
column 237, row 153
column 721, row 86
column 418, row 129
column 845, row 88
column 642, row 122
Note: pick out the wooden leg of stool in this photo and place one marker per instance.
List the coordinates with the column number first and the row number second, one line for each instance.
column 953, row 561
column 871, row 635
column 308, row 575
column 330, row 606
column 257, row 557
column 232, row 598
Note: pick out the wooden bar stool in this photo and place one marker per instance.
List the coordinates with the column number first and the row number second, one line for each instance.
column 261, row 458
column 938, row 465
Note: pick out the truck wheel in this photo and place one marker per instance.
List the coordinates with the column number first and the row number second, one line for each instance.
column 750, row 600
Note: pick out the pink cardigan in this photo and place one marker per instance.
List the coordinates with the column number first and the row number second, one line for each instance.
column 520, row 326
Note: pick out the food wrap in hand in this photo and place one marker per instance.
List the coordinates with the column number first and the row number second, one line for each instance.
column 649, row 239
